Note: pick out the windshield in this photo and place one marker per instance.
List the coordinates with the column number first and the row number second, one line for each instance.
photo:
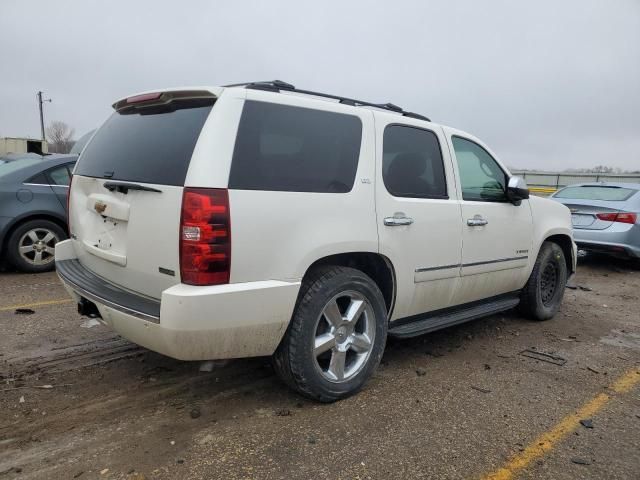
column 147, row 146
column 596, row 192
column 10, row 167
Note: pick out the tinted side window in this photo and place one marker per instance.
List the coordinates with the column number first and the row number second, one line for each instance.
column 480, row 175
column 59, row 175
column 286, row 148
column 412, row 164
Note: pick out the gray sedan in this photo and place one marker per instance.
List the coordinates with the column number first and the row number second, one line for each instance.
column 605, row 217
column 33, row 209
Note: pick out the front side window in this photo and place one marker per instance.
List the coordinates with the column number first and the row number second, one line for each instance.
column 412, row 164
column 481, row 177
column 285, row 148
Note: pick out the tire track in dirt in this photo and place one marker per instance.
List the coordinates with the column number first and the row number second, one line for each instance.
column 71, row 357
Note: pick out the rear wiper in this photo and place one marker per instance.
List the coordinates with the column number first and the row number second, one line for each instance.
column 125, row 187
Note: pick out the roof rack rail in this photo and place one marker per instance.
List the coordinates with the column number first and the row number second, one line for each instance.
column 279, row 85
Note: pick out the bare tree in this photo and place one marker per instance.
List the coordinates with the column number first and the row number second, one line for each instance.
column 60, row 137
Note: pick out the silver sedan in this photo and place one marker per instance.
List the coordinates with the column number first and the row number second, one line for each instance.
column 605, row 216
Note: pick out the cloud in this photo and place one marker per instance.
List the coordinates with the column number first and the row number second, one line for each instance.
column 546, row 84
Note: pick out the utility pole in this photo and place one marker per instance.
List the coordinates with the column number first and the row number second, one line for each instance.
column 40, row 102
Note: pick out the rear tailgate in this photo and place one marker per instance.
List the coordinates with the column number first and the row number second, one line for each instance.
column 126, row 193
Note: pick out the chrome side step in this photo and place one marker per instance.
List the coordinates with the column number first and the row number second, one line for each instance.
column 432, row 321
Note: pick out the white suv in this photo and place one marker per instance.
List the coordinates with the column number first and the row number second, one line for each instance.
column 260, row 219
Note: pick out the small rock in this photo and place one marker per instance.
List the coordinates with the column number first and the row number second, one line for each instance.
column 180, row 461
column 580, row 461
column 136, row 476
column 21, row 399
column 487, row 366
column 312, row 440
column 172, row 442
column 283, row 412
column 587, row 423
column 79, row 474
column 195, row 412
column 104, row 472
column 90, row 323
column 420, row 372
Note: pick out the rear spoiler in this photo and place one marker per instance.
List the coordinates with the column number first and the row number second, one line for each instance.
column 165, row 101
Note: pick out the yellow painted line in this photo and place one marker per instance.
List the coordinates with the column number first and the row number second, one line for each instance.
column 542, row 189
column 568, row 424
column 37, row 304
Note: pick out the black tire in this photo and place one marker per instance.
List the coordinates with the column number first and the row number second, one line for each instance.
column 541, row 297
column 295, row 360
column 14, row 256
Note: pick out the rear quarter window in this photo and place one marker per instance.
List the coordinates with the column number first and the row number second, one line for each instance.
column 148, row 146
column 284, row 148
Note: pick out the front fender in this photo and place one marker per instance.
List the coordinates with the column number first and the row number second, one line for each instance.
column 550, row 219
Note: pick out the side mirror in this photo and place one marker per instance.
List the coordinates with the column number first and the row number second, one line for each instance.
column 517, row 190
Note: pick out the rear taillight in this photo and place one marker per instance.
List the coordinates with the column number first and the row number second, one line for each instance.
column 622, row 217
column 205, row 237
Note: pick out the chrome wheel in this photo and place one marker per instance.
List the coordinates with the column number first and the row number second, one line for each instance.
column 37, row 246
column 344, row 336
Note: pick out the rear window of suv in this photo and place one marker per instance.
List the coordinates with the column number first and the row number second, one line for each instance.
column 147, row 146
column 596, row 192
column 284, row 148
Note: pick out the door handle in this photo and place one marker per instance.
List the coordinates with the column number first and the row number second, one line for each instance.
column 397, row 220
column 477, row 221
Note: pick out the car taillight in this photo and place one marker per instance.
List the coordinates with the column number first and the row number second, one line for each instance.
column 205, row 236
column 622, row 217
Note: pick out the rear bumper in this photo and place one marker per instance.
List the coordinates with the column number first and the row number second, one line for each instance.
column 619, row 239
column 188, row 323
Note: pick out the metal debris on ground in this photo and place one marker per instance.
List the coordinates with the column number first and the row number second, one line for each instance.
column 580, row 461
column 543, row 357
column 480, row 389
column 587, row 423
column 24, row 311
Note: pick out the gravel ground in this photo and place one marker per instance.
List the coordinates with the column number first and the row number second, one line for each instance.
column 458, row 403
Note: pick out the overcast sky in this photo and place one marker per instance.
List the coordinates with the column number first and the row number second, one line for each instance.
column 547, row 84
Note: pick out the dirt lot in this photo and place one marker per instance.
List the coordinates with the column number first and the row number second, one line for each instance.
column 460, row 403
